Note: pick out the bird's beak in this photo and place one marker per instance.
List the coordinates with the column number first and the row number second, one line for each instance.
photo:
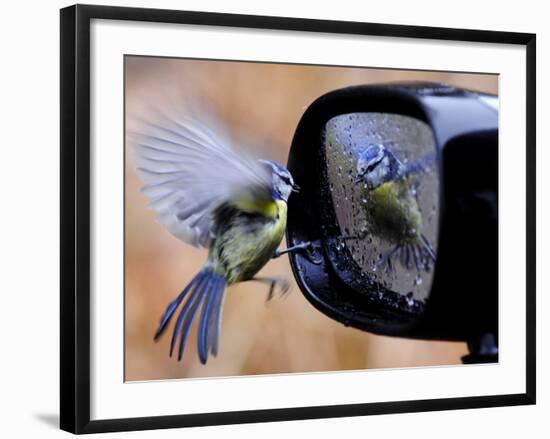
column 295, row 188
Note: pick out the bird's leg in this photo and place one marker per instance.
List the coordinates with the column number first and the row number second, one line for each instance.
column 294, row 248
column 306, row 247
column 273, row 282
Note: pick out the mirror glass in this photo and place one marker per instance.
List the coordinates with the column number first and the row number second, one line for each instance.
column 385, row 191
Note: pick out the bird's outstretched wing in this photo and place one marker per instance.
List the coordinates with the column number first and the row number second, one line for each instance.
column 423, row 164
column 189, row 168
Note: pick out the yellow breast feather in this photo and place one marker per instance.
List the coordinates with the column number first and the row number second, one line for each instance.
column 267, row 208
column 280, row 224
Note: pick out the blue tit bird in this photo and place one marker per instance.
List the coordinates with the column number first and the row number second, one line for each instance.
column 391, row 206
column 208, row 195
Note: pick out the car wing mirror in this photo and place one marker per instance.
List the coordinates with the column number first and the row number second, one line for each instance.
column 399, row 198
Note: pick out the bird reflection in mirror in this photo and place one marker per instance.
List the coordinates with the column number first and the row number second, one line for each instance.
column 389, row 193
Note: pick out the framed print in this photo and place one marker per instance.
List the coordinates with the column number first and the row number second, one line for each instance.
column 283, row 218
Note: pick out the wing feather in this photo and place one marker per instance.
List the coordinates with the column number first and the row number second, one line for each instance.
column 189, row 168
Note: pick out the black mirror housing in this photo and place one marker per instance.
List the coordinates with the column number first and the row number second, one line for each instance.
column 463, row 299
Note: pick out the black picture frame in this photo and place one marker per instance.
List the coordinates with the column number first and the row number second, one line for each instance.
column 75, row 217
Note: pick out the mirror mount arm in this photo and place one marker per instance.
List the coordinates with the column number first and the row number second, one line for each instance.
column 483, row 349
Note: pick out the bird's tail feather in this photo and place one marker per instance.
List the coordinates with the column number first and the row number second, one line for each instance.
column 427, row 247
column 419, row 255
column 207, row 290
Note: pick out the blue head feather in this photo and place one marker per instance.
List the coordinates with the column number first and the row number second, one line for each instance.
column 282, row 184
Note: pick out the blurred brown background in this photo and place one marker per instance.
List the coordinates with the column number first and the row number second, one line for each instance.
column 285, row 335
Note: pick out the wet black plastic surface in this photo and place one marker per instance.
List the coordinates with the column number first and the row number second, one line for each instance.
column 463, row 301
